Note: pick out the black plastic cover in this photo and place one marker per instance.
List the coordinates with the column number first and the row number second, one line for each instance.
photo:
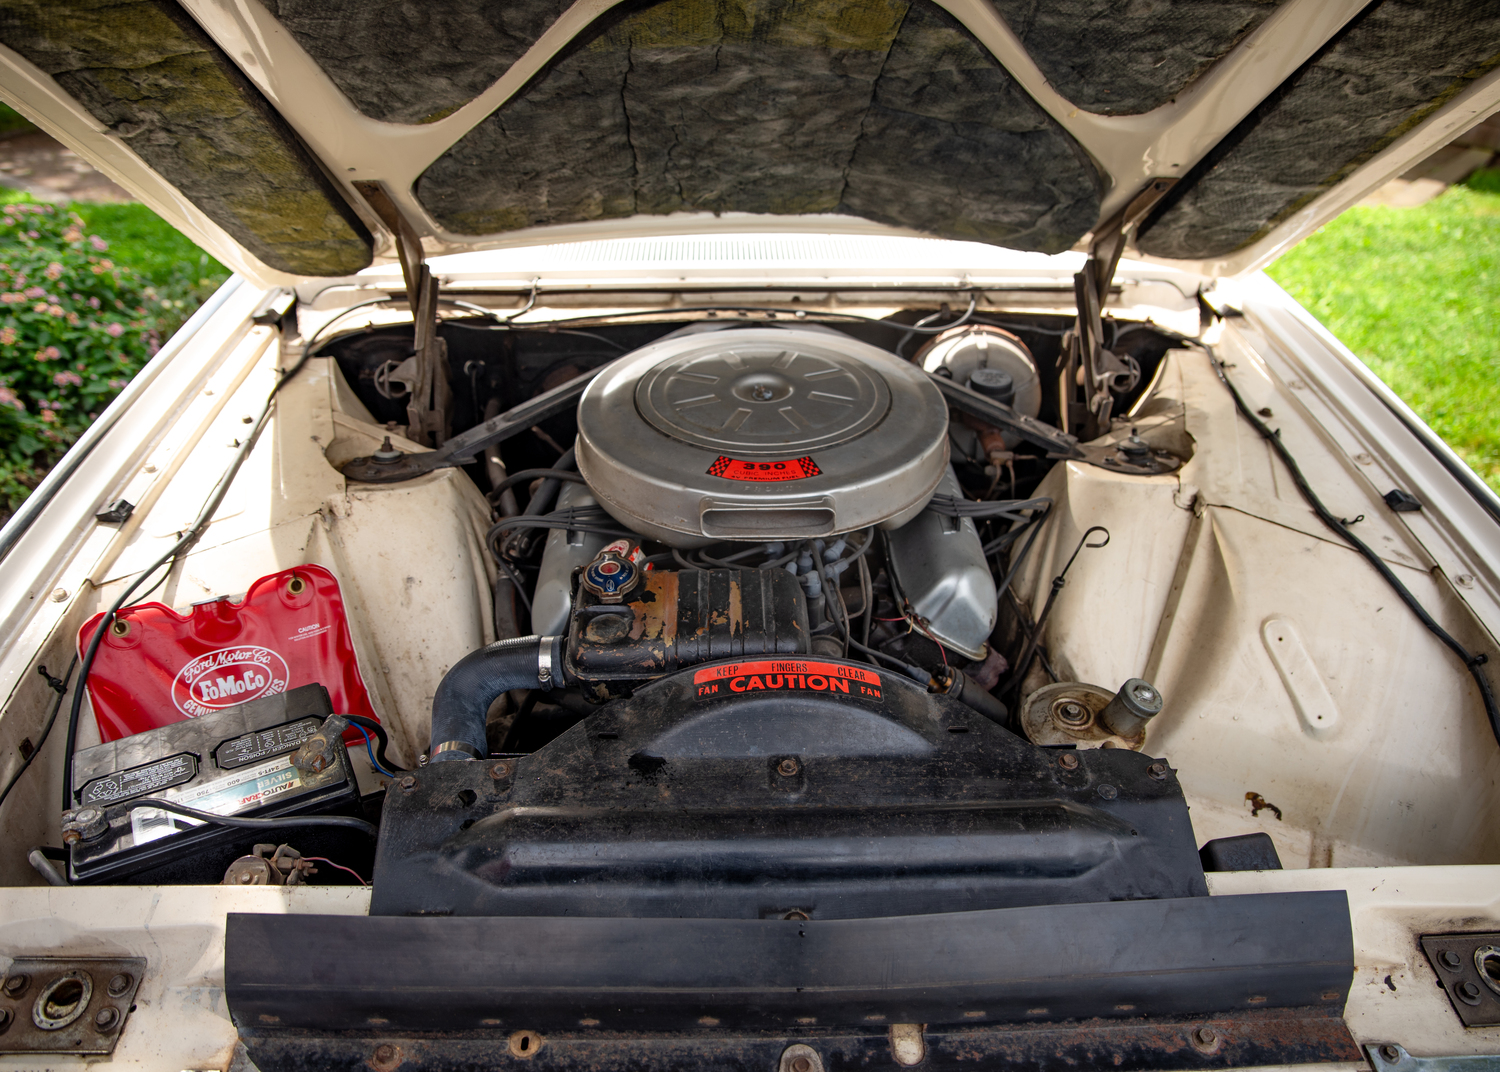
column 1246, row 852
column 783, row 787
column 1120, row 960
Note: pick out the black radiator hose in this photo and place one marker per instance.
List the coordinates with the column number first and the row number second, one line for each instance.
column 466, row 692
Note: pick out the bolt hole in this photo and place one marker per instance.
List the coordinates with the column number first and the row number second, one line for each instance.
column 466, row 798
column 296, row 585
column 958, row 729
column 609, row 736
column 1488, row 962
column 64, row 997
column 62, row 1002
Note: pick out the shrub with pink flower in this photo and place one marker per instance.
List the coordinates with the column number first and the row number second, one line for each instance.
column 44, row 407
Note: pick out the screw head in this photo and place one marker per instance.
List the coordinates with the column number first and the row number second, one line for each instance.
column 1157, row 770
column 1067, row 761
column 1108, row 792
column 384, row 1052
column 1390, row 1052
column 15, row 984
column 408, row 783
column 4, row 1020
column 1450, row 960
column 119, row 984
column 1206, row 1035
column 788, row 768
column 1468, row 993
column 801, row 1064
column 105, row 1018
column 500, row 770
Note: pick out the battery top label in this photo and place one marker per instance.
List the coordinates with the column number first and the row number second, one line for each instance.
column 761, row 471
column 122, row 785
column 262, row 744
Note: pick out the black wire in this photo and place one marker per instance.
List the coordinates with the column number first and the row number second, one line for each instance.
column 205, row 515
column 591, row 519
column 1036, row 528
column 515, row 580
column 382, row 739
column 957, row 506
column 524, row 475
column 1471, row 661
column 523, row 327
column 61, row 687
column 254, row 824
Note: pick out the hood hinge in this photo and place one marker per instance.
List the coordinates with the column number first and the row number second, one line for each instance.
column 425, row 374
column 1088, row 366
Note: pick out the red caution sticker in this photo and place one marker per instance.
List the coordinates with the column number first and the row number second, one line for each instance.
column 772, row 675
column 740, row 469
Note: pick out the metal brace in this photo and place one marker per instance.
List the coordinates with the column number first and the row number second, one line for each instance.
column 1392, row 1057
column 425, row 374
column 1101, row 369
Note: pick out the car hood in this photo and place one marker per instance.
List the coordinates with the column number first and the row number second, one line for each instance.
column 272, row 130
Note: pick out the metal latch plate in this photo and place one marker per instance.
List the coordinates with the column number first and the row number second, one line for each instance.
column 67, row 1005
column 1468, row 968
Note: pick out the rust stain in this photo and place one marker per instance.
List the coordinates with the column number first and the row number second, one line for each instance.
column 1259, row 803
column 736, row 608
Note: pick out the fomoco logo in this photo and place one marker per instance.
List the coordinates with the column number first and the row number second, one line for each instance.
column 228, row 677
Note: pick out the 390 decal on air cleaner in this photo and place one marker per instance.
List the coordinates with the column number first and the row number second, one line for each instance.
column 744, row 469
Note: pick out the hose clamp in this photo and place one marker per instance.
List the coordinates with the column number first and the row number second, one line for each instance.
column 457, row 746
column 544, row 663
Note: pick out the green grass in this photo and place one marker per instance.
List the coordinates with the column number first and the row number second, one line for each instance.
column 12, row 120
column 1415, row 292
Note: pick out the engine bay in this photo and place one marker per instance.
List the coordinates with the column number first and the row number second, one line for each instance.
column 728, row 616
column 802, row 535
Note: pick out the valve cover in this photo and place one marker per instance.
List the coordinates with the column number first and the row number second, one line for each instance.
column 761, row 434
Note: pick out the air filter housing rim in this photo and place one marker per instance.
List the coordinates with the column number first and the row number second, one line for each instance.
column 660, row 486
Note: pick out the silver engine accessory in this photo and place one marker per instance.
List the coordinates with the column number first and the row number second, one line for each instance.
column 761, row 434
column 566, row 550
column 969, row 350
column 1071, row 712
column 939, row 568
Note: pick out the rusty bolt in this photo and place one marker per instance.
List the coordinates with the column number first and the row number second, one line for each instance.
column 1205, row 1036
column 15, row 984
column 1157, row 770
column 4, row 1020
column 500, row 770
column 384, row 1053
column 408, row 783
column 1067, row 761
column 119, row 984
column 788, row 768
column 1072, row 713
column 106, row 1017
column 1390, row 1052
column 801, row 1064
column 1450, row 960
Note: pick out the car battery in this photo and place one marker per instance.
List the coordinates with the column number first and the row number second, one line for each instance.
column 238, row 762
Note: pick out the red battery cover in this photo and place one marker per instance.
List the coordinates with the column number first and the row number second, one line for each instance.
column 156, row 666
